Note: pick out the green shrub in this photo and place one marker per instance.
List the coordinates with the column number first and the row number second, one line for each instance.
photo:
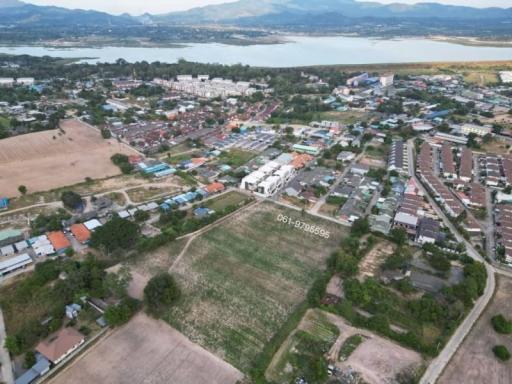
column 501, row 325
column 501, row 352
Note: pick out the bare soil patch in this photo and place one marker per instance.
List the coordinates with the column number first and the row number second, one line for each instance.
column 370, row 264
column 151, row 352
column 378, row 360
column 53, row 159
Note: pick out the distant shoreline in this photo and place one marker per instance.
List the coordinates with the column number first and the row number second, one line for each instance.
column 279, row 37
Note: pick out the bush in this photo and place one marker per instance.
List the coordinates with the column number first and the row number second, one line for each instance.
column 71, row 199
column 160, row 293
column 121, row 313
column 141, row 216
column 501, row 325
column 501, row 352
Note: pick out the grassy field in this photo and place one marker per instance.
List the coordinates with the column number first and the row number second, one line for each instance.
column 242, row 280
column 236, row 157
column 349, row 117
column 228, row 199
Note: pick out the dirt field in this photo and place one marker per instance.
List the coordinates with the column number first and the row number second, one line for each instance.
column 50, row 159
column 474, row 362
column 150, row 352
column 378, row 360
column 370, row 264
column 242, row 279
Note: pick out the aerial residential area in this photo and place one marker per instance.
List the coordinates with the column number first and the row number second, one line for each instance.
column 180, row 221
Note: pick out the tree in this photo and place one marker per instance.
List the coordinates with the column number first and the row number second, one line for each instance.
column 71, row 199
column 501, row 324
column 116, row 284
column 360, row 227
column 346, row 265
column 30, row 359
column 141, row 216
column 13, row 344
column 501, row 352
column 160, row 293
column 399, row 236
column 116, row 234
column 22, row 189
column 120, row 313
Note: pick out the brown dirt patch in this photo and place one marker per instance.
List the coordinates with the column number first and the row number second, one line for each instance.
column 51, row 159
column 151, row 352
column 370, row 265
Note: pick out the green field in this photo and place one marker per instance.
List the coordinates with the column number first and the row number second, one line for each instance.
column 241, row 281
column 228, row 199
column 313, row 337
column 236, row 157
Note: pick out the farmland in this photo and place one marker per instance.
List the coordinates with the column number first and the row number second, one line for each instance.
column 241, row 280
column 51, row 159
column 474, row 361
column 147, row 351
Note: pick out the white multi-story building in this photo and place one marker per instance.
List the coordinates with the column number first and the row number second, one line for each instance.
column 386, row 80
column 480, row 130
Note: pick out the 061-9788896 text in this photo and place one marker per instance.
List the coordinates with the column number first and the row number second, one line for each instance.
column 303, row 226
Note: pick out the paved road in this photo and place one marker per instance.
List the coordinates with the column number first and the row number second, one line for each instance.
column 437, row 365
column 322, row 200
column 5, row 360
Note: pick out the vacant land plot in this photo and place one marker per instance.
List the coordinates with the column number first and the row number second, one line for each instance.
column 242, row 279
column 147, row 351
column 52, row 159
column 474, row 362
column 143, row 194
column 225, row 200
column 378, row 360
column 370, row 264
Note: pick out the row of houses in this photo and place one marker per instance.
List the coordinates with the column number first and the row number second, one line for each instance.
column 451, row 204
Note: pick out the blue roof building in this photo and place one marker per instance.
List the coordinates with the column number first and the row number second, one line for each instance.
column 4, row 203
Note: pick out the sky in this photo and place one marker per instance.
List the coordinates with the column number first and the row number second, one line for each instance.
column 137, row 7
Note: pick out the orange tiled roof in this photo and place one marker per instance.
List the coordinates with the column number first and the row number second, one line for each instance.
column 81, row 233
column 58, row 240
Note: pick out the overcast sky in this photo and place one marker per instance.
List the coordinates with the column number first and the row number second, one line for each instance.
column 137, row 7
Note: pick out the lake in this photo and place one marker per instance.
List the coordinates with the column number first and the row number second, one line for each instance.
column 299, row 51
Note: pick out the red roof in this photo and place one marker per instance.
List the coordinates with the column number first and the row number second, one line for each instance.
column 59, row 240
column 81, row 233
column 215, row 187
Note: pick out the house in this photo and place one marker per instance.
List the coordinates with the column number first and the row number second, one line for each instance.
column 59, row 241
column 9, row 236
column 203, row 212
column 346, row 156
column 215, row 188
column 360, row 169
column 428, row 231
column 40, row 368
column 91, row 225
column 4, row 203
column 81, row 233
column 14, row 264
column 60, row 344
column 406, row 221
column 72, row 311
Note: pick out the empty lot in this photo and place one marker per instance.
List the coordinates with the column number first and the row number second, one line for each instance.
column 474, row 362
column 51, row 159
column 241, row 280
column 150, row 352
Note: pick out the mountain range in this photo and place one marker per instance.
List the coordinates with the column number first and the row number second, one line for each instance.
column 14, row 13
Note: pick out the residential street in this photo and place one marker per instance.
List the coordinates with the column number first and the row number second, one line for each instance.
column 322, row 200
column 436, row 367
